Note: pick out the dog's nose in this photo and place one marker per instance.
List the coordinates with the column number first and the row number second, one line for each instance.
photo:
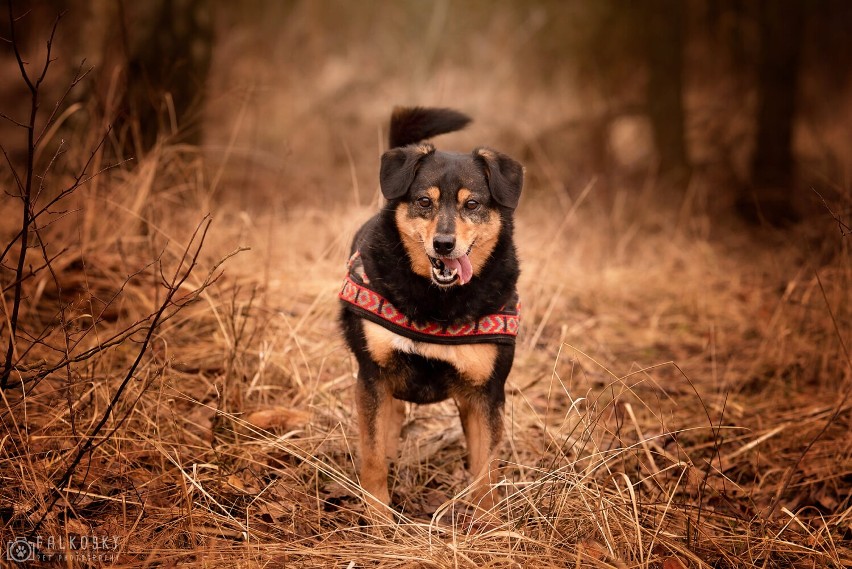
column 444, row 244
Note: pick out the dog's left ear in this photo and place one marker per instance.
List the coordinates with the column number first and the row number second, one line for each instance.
column 399, row 166
column 505, row 176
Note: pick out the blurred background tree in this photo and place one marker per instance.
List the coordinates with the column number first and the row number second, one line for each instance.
column 781, row 25
column 661, row 25
column 742, row 102
column 151, row 61
column 167, row 49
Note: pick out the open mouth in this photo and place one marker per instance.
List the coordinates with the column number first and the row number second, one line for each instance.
column 447, row 271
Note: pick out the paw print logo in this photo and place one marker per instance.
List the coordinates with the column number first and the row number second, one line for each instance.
column 20, row 550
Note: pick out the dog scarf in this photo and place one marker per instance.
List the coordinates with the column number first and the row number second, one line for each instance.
column 500, row 327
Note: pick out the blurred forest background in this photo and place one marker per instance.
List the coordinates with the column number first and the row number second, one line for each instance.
column 681, row 390
column 747, row 100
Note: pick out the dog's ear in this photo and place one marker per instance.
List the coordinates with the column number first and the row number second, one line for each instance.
column 399, row 166
column 505, row 176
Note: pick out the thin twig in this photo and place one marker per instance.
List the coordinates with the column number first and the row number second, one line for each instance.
column 26, row 195
column 79, row 181
column 175, row 285
column 845, row 229
column 33, row 272
column 838, row 409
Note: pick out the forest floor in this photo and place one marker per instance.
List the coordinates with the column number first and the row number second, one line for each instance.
column 679, row 398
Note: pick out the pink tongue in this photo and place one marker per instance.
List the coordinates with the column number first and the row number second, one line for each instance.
column 462, row 266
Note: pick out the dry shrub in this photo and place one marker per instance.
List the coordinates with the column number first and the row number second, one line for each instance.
column 679, row 396
column 667, row 384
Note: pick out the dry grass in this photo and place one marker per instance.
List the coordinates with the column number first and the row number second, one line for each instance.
column 680, row 395
column 676, row 394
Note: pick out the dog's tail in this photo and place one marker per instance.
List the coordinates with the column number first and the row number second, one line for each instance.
column 413, row 124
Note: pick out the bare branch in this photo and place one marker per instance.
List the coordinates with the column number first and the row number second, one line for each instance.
column 79, row 181
column 18, row 182
column 33, row 272
column 102, row 345
column 60, row 150
column 845, row 229
column 63, row 323
column 78, row 76
column 26, row 189
column 14, row 42
column 92, row 438
column 47, row 59
column 13, row 121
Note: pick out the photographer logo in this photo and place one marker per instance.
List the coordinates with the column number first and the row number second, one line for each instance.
column 20, row 550
column 85, row 549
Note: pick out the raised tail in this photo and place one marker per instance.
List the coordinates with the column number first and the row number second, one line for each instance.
column 413, row 124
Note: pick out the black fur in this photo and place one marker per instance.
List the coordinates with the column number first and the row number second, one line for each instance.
column 387, row 265
column 505, row 176
column 410, row 125
column 407, row 169
column 399, row 166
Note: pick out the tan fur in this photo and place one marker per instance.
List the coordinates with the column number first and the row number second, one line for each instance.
column 434, row 193
column 413, row 231
column 374, row 467
column 473, row 361
column 416, row 232
column 397, row 417
column 379, row 342
column 480, row 443
column 483, row 234
column 485, row 153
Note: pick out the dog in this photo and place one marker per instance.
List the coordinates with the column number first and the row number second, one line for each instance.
column 429, row 304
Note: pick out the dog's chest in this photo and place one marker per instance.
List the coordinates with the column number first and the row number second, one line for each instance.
column 474, row 362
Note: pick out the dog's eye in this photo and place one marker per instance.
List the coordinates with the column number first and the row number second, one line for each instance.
column 424, row 202
column 471, row 205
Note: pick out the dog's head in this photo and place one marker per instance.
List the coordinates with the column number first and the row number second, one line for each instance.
column 450, row 207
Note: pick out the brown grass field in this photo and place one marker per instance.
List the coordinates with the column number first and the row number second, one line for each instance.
column 679, row 398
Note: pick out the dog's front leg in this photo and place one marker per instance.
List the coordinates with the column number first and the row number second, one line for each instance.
column 397, row 418
column 376, row 414
column 483, row 427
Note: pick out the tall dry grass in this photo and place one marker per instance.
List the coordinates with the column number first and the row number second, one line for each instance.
column 680, row 393
column 679, row 396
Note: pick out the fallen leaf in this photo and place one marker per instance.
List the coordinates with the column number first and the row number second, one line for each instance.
column 236, row 482
column 282, row 417
column 673, row 563
column 75, row 526
column 592, row 549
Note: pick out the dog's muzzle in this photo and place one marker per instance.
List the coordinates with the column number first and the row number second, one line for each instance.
column 448, row 271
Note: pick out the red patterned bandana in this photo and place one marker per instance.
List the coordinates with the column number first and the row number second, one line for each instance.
column 500, row 327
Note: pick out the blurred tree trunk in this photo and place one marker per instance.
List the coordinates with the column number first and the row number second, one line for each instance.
column 168, row 47
column 771, row 195
column 663, row 23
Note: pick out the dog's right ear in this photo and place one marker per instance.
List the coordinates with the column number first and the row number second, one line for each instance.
column 399, row 166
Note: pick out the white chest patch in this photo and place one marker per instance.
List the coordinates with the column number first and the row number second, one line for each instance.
column 403, row 344
column 473, row 361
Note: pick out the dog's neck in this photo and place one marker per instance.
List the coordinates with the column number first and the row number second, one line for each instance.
column 389, row 267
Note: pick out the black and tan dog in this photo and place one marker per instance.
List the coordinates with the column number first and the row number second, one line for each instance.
column 430, row 308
